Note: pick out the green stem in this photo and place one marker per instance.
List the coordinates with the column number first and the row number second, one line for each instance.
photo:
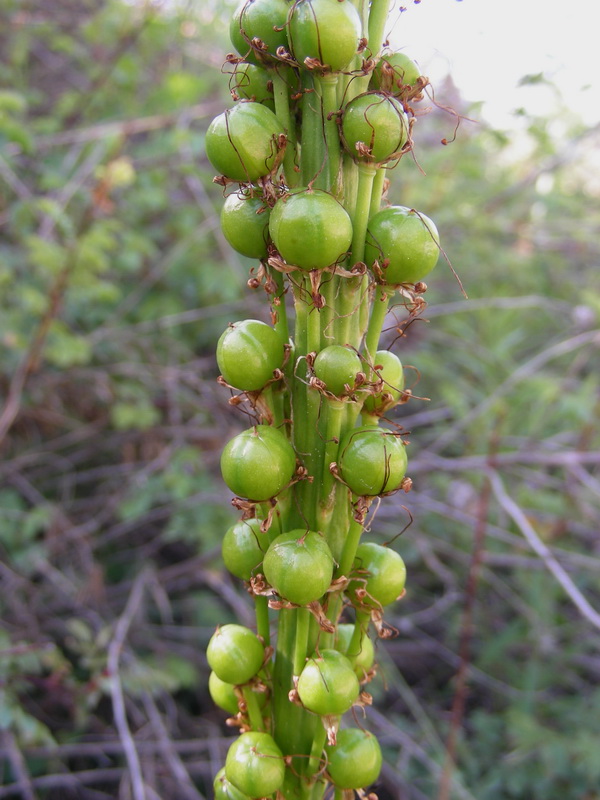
column 313, row 330
column 349, row 551
column 301, row 642
column 377, row 191
column 366, row 175
column 261, row 609
column 328, row 89
column 282, row 110
column 313, row 141
column 253, row 709
column 334, row 412
column 316, row 752
column 361, row 625
column 281, row 322
column 378, row 315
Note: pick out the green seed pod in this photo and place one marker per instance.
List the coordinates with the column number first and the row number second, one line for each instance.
column 394, row 72
column 374, row 127
column 243, row 548
column 251, row 82
column 235, row 654
column 258, row 463
column 365, row 659
column 225, row 790
column 247, row 354
column 326, row 30
column 337, row 366
column 328, row 685
column 245, row 224
column 405, row 243
column 393, row 377
column 372, row 461
column 310, row 229
column 242, row 142
column 299, row 566
column 354, row 762
column 382, row 574
column 255, row 765
column 222, row 694
column 259, row 19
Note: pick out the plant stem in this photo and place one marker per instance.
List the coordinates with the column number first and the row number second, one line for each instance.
column 378, row 315
column 254, row 712
column 301, row 642
column 261, row 610
column 366, row 175
column 282, row 110
column 328, row 89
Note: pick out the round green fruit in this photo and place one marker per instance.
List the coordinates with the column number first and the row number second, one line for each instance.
column 259, row 19
column 251, row 82
column 404, row 242
column 235, row 654
column 299, row 566
column 255, row 765
column 390, row 371
column 365, row 659
column 245, row 224
column 382, row 574
column 258, row 463
column 372, row 461
column 243, row 548
column 225, row 790
column 394, row 72
column 355, row 761
column 310, row 229
column 326, row 30
column 337, row 366
column 242, row 142
column 247, row 354
column 374, row 127
column 222, row 694
column 328, row 684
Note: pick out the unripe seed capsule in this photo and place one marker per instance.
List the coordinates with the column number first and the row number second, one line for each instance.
column 245, row 224
column 310, row 229
column 299, row 566
column 242, row 142
column 258, row 463
column 393, row 377
column 328, row 685
column 374, row 127
column 382, row 574
column 247, row 354
column 259, row 19
column 354, row 762
column 365, row 659
column 255, row 765
column 337, row 366
column 404, row 242
column 222, row 694
column 243, row 548
column 235, row 653
column 393, row 71
column 326, row 30
column 225, row 790
column 372, row 461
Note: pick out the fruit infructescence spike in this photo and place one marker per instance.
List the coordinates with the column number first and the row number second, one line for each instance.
column 303, row 159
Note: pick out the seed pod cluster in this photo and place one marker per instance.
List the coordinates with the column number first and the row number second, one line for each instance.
column 319, row 114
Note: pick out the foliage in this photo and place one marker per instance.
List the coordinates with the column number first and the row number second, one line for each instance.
column 114, row 287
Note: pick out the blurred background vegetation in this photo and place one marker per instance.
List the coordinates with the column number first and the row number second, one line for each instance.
column 115, row 283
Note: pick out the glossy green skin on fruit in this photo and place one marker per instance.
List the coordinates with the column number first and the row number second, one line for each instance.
column 365, row 659
column 393, row 71
column 235, row 654
column 328, row 684
column 328, row 30
column 310, row 229
column 377, row 121
column 225, row 790
column 241, row 143
column 222, row 694
column 336, row 366
column 243, row 548
column 254, row 764
column 299, row 566
column 258, row 463
column 393, row 377
column 372, row 461
column 245, row 224
column 251, row 82
column 382, row 573
column 259, row 19
column 247, row 353
column 408, row 240
column 355, row 761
